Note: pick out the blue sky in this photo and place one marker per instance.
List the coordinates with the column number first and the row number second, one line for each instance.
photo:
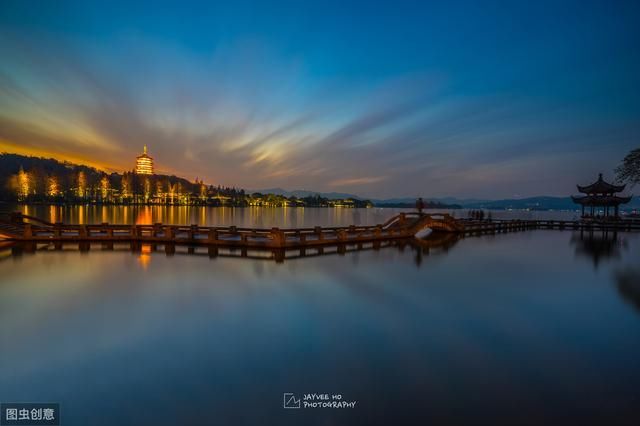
column 469, row 99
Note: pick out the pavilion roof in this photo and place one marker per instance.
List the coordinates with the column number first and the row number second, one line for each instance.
column 601, row 200
column 600, row 187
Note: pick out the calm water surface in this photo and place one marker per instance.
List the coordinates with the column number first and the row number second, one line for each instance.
column 258, row 217
column 537, row 327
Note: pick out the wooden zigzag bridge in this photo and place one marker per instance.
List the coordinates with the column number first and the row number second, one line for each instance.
column 23, row 228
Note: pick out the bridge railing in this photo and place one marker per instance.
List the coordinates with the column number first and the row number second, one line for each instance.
column 195, row 233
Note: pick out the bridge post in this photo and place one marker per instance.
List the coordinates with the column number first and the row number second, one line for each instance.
column 28, row 232
column 378, row 231
column 157, row 227
column 103, row 227
column 402, row 219
column 170, row 248
column 213, row 236
column 192, row 231
column 277, row 237
column 16, row 217
column 82, row 231
column 57, row 230
column 279, row 255
column 318, row 231
column 169, row 232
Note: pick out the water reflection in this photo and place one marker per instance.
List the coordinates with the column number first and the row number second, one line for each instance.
column 512, row 328
column 258, row 217
column 598, row 245
column 435, row 243
column 628, row 284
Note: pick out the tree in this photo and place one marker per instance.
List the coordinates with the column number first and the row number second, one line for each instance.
column 629, row 170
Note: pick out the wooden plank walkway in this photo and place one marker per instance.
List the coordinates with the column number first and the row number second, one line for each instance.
column 498, row 226
column 27, row 228
column 20, row 227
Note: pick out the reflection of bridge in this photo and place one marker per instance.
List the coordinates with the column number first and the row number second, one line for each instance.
column 19, row 227
column 434, row 244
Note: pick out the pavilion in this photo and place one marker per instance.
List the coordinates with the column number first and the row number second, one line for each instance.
column 601, row 194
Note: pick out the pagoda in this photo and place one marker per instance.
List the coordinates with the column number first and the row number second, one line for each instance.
column 144, row 163
column 601, row 194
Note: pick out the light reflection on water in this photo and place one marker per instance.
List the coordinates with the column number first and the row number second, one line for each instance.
column 520, row 328
column 258, row 217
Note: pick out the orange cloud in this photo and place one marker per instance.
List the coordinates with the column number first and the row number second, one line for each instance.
column 357, row 181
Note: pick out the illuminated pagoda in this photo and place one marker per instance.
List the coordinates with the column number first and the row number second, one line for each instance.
column 144, row 163
column 601, row 194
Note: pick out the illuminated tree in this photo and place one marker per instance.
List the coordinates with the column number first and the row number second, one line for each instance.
column 81, row 188
column 104, row 187
column 160, row 191
column 173, row 189
column 21, row 184
column 126, row 187
column 147, row 189
column 203, row 191
column 53, row 187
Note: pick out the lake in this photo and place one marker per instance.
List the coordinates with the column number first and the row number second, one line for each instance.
column 537, row 327
column 257, row 217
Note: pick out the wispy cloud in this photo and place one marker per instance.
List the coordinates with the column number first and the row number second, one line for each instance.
column 357, row 181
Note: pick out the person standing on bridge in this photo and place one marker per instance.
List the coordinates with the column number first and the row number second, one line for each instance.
column 420, row 205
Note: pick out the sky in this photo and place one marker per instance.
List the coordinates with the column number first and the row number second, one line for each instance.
column 471, row 99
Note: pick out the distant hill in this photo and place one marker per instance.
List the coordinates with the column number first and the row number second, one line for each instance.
column 536, row 203
column 530, row 203
column 301, row 193
column 391, row 202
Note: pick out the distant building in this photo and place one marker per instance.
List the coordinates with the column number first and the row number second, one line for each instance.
column 144, row 163
column 601, row 194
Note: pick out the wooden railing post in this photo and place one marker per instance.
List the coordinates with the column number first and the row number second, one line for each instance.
column 277, row 237
column 169, row 232
column 28, row 232
column 213, row 235
column 16, row 217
